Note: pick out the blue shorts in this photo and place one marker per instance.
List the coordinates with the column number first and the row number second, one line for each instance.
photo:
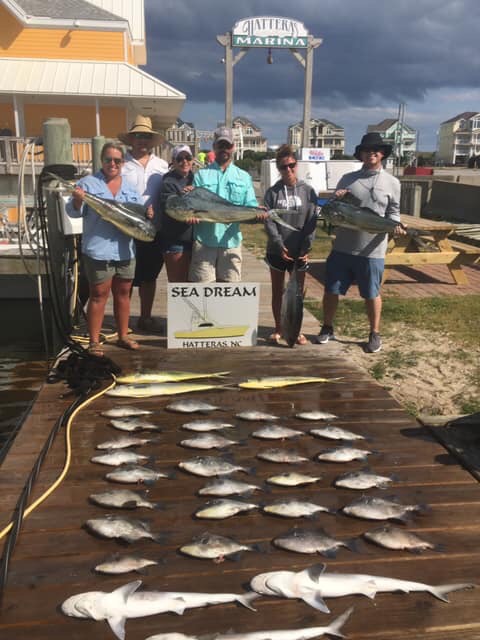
column 179, row 247
column 343, row 269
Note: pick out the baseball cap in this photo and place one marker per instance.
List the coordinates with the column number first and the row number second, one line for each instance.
column 182, row 148
column 223, row 133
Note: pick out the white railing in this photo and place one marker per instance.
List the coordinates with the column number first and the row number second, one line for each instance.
column 11, row 152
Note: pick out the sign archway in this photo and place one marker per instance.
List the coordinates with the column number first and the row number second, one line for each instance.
column 272, row 32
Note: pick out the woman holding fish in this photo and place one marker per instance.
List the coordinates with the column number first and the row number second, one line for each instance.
column 287, row 249
column 108, row 254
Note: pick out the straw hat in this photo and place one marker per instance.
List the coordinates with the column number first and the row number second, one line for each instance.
column 141, row 124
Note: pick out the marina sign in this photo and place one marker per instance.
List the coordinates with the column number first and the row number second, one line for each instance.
column 270, row 31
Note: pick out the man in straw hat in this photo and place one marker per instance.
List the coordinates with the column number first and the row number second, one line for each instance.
column 358, row 256
column 144, row 171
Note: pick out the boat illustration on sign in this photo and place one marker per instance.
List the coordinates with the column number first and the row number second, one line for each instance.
column 201, row 326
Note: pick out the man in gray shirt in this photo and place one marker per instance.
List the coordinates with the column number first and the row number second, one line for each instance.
column 358, row 256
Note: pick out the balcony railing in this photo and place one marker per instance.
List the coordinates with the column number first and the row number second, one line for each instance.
column 12, row 151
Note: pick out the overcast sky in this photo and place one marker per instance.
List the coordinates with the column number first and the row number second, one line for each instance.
column 375, row 55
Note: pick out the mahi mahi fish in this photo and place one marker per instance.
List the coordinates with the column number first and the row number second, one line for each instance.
column 313, row 584
column 208, row 207
column 128, row 217
column 305, row 633
column 347, row 212
column 126, row 602
column 152, row 377
column 274, row 382
column 291, row 313
column 158, row 389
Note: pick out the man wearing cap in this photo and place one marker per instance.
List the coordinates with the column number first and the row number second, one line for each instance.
column 144, row 171
column 217, row 253
column 358, row 256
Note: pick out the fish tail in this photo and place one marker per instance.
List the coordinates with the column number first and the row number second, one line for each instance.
column 334, row 627
column 441, row 591
column 247, row 599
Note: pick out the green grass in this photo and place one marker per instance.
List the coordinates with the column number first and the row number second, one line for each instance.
column 255, row 240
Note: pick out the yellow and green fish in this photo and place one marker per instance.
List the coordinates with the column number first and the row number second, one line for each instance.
column 274, row 382
column 153, row 377
column 159, row 389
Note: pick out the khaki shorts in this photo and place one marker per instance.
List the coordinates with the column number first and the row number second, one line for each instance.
column 98, row 271
column 215, row 264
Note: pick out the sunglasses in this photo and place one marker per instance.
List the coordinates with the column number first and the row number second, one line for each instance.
column 117, row 161
column 184, row 158
column 284, row 167
column 372, row 149
column 147, row 136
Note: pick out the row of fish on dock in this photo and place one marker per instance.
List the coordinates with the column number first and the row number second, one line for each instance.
column 311, row 585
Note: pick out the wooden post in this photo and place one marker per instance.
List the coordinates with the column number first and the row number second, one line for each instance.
column 97, row 145
column 57, row 143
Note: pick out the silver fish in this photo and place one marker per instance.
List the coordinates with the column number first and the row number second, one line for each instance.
column 210, row 466
column 276, row 432
column 335, row 433
column 158, row 389
column 281, row 456
column 370, row 508
column 227, row 487
column 119, row 457
column 292, row 479
column 343, row 454
column 124, row 411
column 124, row 442
column 292, row 508
column 125, row 529
column 134, row 423
column 315, row 415
column 132, row 473
column 191, row 406
column 291, row 312
column 129, row 217
column 392, row 537
column 121, row 499
column 213, row 547
column 361, row 480
column 303, row 541
column 252, row 415
column 206, row 425
column 223, row 508
column 207, row 441
column 207, row 206
column 118, row 565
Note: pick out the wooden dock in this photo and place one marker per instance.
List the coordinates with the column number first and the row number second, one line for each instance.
column 55, row 555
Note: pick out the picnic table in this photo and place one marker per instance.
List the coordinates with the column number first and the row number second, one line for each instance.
column 435, row 247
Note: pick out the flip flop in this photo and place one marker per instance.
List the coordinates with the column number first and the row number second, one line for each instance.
column 301, row 339
column 127, row 343
column 95, row 349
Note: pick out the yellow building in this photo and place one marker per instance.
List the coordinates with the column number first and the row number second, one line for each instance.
column 78, row 60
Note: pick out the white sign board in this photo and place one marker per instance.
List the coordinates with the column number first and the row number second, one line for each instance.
column 320, row 154
column 270, row 31
column 212, row 315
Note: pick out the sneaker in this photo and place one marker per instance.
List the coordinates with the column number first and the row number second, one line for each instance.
column 326, row 334
column 374, row 343
column 152, row 325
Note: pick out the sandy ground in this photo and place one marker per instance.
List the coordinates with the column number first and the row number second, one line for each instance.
column 426, row 373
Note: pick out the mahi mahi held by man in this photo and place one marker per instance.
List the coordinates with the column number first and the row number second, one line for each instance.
column 128, row 217
column 208, row 207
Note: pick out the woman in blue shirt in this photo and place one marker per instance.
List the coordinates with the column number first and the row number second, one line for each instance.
column 108, row 255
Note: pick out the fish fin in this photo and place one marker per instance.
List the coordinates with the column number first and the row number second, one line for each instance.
column 130, row 504
column 159, row 506
column 160, row 538
column 274, row 215
column 314, row 572
column 370, row 589
column 315, row 600
column 117, row 625
column 441, row 591
column 349, row 198
column 178, row 606
column 329, row 553
column 353, row 545
column 247, row 599
column 334, row 627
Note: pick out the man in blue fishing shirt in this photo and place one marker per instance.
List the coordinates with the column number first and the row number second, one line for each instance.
column 217, row 247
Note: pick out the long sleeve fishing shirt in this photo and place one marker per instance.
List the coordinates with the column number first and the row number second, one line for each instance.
column 146, row 180
column 236, row 186
column 301, row 200
column 378, row 191
column 101, row 240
